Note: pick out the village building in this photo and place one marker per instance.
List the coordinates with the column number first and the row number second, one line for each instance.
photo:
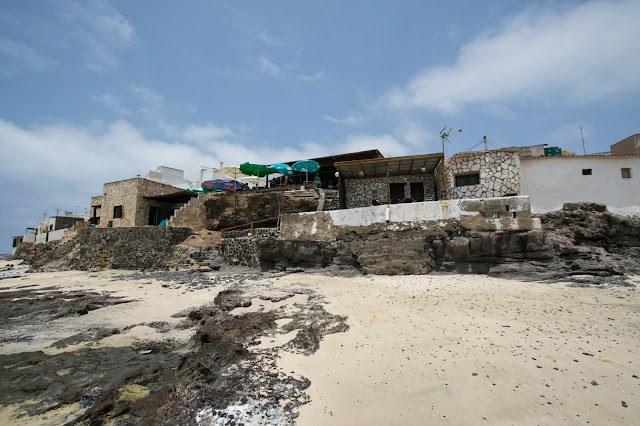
column 388, row 180
column 608, row 179
column 627, row 146
column 136, row 202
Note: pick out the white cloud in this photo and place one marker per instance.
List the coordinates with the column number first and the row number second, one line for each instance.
column 351, row 119
column 313, row 77
column 101, row 29
column 415, row 135
column 575, row 56
column 111, row 102
column 268, row 67
column 269, row 39
column 386, row 144
column 23, row 53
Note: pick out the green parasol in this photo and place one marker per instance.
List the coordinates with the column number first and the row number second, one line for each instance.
column 259, row 170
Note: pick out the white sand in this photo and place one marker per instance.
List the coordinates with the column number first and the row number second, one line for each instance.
column 416, row 342
column 432, row 349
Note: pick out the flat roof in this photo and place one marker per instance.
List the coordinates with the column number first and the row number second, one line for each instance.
column 176, row 197
column 330, row 160
column 409, row 165
column 607, row 157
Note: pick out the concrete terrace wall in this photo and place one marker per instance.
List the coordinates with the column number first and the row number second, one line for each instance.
column 499, row 174
column 503, row 213
column 361, row 192
column 552, row 181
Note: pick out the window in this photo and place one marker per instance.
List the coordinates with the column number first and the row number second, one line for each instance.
column 587, row 172
column 117, row 212
column 465, row 180
column 626, row 173
column 417, row 191
column 397, row 191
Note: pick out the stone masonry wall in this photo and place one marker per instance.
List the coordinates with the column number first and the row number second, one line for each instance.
column 116, row 248
column 361, row 192
column 499, row 174
column 122, row 193
column 238, row 248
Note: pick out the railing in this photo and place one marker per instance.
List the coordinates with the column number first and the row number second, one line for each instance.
column 244, row 225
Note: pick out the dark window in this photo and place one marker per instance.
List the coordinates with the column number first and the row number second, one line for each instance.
column 417, row 191
column 465, row 180
column 587, row 172
column 397, row 191
column 626, row 173
column 117, row 212
column 153, row 216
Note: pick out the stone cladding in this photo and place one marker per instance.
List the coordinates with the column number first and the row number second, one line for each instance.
column 361, row 192
column 499, row 174
column 238, row 248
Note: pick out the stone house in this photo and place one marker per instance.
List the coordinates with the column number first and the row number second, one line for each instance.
column 481, row 174
column 387, row 180
column 627, row 146
column 136, row 202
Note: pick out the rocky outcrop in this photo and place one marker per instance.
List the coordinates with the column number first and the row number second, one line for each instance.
column 152, row 248
column 581, row 239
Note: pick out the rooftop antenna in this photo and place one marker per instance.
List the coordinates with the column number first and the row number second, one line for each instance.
column 444, row 135
column 584, row 151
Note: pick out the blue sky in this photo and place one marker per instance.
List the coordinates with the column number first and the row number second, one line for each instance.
column 97, row 91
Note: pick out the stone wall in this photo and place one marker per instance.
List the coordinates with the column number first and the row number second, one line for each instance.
column 627, row 146
column 499, row 174
column 361, row 192
column 239, row 248
column 114, row 248
column 121, row 193
column 218, row 210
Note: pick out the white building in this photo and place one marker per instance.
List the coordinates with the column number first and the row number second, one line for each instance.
column 610, row 180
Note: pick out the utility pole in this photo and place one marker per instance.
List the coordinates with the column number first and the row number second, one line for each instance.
column 445, row 137
column 584, row 151
column 484, row 139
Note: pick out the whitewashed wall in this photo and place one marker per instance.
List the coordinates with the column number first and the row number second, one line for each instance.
column 551, row 181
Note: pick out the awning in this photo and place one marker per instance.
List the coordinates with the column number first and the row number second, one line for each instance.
column 396, row 166
column 174, row 197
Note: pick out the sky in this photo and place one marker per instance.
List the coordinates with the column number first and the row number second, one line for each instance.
column 97, row 91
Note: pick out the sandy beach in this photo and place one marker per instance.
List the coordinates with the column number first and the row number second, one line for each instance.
column 432, row 349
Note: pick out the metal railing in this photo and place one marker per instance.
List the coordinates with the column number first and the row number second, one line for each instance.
column 251, row 224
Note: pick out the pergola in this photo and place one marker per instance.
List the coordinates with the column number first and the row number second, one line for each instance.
column 386, row 167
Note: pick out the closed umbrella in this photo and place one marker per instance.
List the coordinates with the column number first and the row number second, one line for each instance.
column 306, row 166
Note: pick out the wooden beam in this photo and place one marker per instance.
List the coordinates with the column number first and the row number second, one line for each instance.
column 388, row 186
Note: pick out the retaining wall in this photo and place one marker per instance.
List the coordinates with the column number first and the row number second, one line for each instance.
column 489, row 214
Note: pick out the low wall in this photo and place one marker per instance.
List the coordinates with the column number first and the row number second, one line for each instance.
column 115, row 248
column 240, row 248
column 488, row 214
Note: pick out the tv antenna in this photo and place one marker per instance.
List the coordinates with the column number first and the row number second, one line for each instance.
column 444, row 135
